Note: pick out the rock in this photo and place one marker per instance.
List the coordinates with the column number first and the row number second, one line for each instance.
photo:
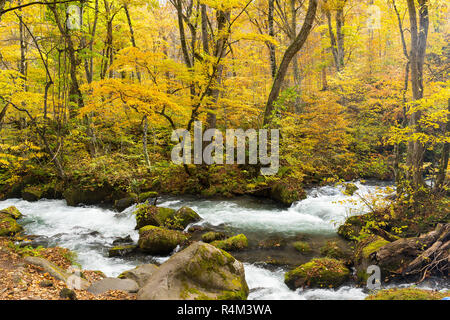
column 406, row 294
column 66, row 293
column 140, row 274
column 286, row 194
column 124, row 203
column 351, row 228
column 155, row 240
column 185, row 216
column 107, row 284
column 272, row 242
column 238, row 242
column 213, row 236
column 35, row 242
column 149, row 215
column 121, row 251
column 46, row 284
column 149, row 196
column 56, row 272
column 32, row 193
column 332, row 250
column 9, row 227
column 301, row 246
column 318, row 273
column 103, row 194
column 12, row 211
column 350, row 189
column 200, row 271
column 124, row 240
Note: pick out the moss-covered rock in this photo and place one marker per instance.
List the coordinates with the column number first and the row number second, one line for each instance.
column 235, row 243
column 124, row 203
column 9, row 227
column 156, row 240
column 144, row 196
column 199, row 272
column 407, row 294
column 75, row 195
column 32, row 193
column 318, row 273
column 350, row 189
column 213, row 236
column 286, row 194
column 120, row 251
column 302, row 247
column 147, row 214
column 13, row 212
column 351, row 228
column 332, row 250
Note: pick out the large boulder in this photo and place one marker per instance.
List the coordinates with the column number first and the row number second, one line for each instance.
column 140, row 274
column 164, row 217
column 124, row 203
column 200, row 271
column 351, row 228
column 32, row 193
column 362, row 257
column 235, row 243
column 75, row 195
column 160, row 241
column 286, row 193
column 107, row 284
column 56, row 272
column 318, row 273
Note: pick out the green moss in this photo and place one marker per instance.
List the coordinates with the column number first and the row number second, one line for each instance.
column 351, row 228
column 238, row 242
column 302, row 246
column 373, row 247
column 165, row 217
column 146, row 195
column 156, row 240
column 13, row 212
column 32, row 193
column 322, row 272
column 332, row 250
column 213, row 236
column 407, row 294
column 9, row 227
column 120, row 251
column 350, row 189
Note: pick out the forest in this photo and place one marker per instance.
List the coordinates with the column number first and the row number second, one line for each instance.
column 91, row 92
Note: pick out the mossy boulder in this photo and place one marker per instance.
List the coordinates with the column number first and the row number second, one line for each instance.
column 351, row 228
column 160, row 241
column 407, row 294
column 144, row 196
column 12, row 211
column 9, row 227
column 124, row 203
column 235, row 243
column 318, row 273
column 76, row 195
column 350, row 189
column 32, row 193
column 199, row 272
column 301, row 246
column 120, row 251
column 164, row 217
column 332, row 250
column 286, row 194
column 213, row 236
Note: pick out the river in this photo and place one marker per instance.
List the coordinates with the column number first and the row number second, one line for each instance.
column 90, row 230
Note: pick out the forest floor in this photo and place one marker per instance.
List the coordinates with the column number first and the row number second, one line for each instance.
column 20, row 281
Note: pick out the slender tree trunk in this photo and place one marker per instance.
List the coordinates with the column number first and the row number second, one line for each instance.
column 144, row 140
column 442, row 172
column 288, row 55
column 272, row 53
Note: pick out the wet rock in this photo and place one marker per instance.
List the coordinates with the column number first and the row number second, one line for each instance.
column 351, row 228
column 106, row 284
column 332, row 250
column 32, row 193
column 150, row 197
column 140, row 274
column 301, row 246
column 124, row 203
column 350, row 189
column 35, row 242
column 200, row 271
column 121, row 251
column 286, row 194
column 11, row 211
column 9, row 227
column 124, row 240
column 159, row 241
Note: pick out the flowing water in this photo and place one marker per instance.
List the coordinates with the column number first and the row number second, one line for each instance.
column 90, row 231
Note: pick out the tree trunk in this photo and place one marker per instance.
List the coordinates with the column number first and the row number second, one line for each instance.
column 288, row 55
column 272, row 53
